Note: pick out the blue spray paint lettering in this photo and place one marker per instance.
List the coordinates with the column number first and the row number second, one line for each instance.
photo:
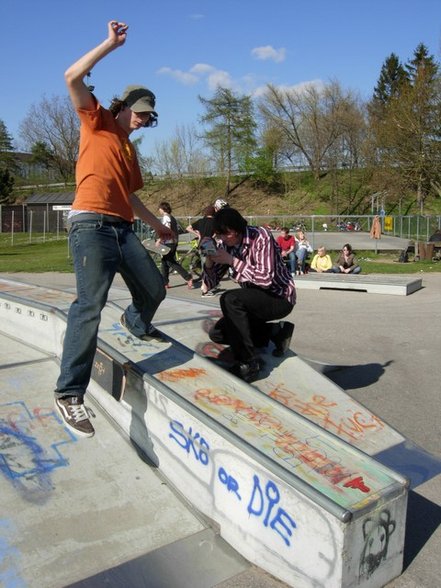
column 230, row 482
column 190, row 441
column 262, row 502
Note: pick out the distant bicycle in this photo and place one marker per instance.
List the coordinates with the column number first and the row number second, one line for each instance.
column 300, row 226
column 349, row 226
column 191, row 259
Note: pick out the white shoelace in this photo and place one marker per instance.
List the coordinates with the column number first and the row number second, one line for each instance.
column 79, row 412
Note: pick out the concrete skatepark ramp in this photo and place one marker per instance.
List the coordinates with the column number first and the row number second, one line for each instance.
column 280, row 468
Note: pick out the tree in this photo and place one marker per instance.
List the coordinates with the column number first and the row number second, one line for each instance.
column 182, row 160
column 42, row 155
column 312, row 121
column 230, row 133
column 392, row 80
column 407, row 131
column 181, row 155
column 54, row 124
column 7, row 164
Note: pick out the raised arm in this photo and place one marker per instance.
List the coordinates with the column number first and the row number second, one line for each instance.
column 74, row 75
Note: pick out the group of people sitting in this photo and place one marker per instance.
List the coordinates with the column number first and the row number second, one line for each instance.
column 346, row 263
column 296, row 249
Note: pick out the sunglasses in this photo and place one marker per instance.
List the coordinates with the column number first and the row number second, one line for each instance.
column 152, row 121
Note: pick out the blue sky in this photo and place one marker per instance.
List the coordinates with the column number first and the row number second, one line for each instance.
column 182, row 48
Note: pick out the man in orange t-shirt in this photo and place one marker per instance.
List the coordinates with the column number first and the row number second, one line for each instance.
column 101, row 236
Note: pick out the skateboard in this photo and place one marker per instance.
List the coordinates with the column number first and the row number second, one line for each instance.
column 150, row 245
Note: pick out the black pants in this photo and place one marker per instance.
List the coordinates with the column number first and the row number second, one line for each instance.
column 244, row 325
column 169, row 262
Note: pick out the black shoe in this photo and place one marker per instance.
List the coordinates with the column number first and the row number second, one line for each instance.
column 282, row 339
column 149, row 336
column 247, row 371
column 153, row 334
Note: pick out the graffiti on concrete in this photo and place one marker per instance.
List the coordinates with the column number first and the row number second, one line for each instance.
column 27, row 458
column 264, row 499
column 376, row 534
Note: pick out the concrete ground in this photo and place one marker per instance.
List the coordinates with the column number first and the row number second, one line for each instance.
column 387, row 348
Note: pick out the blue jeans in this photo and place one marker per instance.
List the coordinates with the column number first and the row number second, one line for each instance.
column 302, row 255
column 244, row 325
column 99, row 251
column 292, row 262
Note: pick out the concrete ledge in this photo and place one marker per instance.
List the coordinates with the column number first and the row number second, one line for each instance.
column 373, row 284
column 288, row 495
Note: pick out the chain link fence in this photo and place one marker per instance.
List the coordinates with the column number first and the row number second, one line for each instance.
column 50, row 223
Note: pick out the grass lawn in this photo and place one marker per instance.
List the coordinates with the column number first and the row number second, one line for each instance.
column 21, row 255
column 50, row 254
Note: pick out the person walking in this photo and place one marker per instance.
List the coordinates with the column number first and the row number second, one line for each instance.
column 266, row 293
column 101, row 236
column 202, row 228
column 169, row 261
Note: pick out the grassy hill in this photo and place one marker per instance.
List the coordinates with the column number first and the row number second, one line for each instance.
column 297, row 193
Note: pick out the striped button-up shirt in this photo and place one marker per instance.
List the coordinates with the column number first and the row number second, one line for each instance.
column 257, row 262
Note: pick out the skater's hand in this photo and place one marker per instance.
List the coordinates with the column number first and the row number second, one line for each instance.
column 117, row 32
column 222, row 256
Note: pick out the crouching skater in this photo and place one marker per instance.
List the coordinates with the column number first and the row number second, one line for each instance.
column 267, row 292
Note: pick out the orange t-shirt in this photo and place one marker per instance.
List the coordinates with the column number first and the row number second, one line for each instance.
column 107, row 170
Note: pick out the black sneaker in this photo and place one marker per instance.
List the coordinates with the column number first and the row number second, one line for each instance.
column 282, row 339
column 149, row 336
column 153, row 334
column 247, row 371
column 75, row 415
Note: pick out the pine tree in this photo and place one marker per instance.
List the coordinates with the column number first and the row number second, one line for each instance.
column 422, row 65
column 230, row 133
column 7, row 164
column 392, row 79
column 405, row 120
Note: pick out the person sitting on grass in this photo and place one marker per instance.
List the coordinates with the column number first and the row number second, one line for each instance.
column 321, row 262
column 346, row 262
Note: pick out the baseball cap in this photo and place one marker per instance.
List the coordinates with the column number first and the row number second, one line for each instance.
column 139, row 99
column 220, row 203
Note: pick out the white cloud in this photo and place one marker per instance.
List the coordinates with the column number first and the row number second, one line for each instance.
column 213, row 78
column 200, row 72
column 202, row 68
column 219, row 78
column 197, row 16
column 268, row 52
column 186, row 78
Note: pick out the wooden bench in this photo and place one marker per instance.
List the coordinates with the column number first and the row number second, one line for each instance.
column 373, row 284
